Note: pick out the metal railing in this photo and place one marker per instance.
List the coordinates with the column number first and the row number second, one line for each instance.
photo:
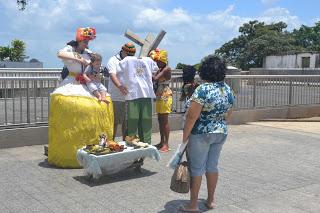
column 24, row 101
column 262, row 91
column 30, row 72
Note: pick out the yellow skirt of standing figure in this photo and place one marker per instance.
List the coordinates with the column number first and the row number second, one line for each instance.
column 164, row 99
column 164, row 106
column 75, row 121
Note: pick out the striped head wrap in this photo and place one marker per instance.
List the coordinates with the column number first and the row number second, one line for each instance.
column 129, row 48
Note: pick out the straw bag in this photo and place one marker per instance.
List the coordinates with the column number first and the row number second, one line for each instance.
column 180, row 180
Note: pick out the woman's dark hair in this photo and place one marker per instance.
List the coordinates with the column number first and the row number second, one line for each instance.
column 73, row 43
column 212, row 68
column 188, row 74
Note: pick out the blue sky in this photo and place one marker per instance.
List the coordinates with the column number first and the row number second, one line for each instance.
column 195, row 28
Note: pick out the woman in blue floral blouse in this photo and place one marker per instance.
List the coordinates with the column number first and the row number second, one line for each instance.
column 205, row 130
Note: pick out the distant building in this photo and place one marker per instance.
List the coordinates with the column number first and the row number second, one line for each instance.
column 303, row 60
column 33, row 63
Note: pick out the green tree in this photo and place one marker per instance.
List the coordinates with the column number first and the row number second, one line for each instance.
column 5, row 53
column 308, row 37
column 18, row 50
column 257, row 40
column 14, row 53
column 180, row 66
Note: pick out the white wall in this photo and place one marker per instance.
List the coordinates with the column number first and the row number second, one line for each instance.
column 290, row 61
column 312, row 59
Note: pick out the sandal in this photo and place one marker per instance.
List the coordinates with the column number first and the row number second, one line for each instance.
column 185, row 209
column 164, row 150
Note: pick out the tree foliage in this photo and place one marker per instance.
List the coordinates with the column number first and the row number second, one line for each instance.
column 14, row 53
column 181, row 66
column 257, row 40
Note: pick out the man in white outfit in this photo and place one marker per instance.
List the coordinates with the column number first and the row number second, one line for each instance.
column 116, row 88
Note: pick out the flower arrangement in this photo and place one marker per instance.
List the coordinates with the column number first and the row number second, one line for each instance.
column 80, row 79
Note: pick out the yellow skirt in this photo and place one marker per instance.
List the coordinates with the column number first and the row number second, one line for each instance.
column 164, row 106
column 75, row 121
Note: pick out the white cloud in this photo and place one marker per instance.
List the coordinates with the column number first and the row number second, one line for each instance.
column 99, row 20
column 163, row 18
column 47, row 25
column 280, row 14
column 315, row 20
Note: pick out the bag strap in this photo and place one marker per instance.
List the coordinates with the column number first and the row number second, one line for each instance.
column 184, row 150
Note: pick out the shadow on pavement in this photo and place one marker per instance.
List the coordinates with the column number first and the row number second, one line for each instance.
column 45, row 164
column 124, row 175
column 173, row 206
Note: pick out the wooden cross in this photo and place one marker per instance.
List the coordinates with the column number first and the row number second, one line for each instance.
column 148, row 44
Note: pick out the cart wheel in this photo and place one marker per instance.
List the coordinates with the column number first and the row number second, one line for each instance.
column 89, row 178
column 138, row 169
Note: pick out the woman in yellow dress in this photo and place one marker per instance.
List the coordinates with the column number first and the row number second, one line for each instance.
column 76, row 117
column 163, row 96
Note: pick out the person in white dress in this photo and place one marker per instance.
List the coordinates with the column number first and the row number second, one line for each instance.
column 75, row 57
column 76, row 117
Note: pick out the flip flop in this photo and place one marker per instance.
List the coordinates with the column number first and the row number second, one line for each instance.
column 184, row 209
column 164, row 151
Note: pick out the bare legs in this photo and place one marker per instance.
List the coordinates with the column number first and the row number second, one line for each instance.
column 212, row 179
column 123, row 130
column 98, row 95
column 103, row 96
column 194, row 193
column 164, row 127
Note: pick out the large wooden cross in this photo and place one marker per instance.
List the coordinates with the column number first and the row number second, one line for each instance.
column 147, row 44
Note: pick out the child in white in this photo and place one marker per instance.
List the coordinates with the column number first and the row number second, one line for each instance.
column 93, row 78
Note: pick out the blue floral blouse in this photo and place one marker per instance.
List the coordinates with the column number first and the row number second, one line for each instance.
column 216, row 99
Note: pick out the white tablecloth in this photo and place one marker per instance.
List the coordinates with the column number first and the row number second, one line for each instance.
column 115, row 162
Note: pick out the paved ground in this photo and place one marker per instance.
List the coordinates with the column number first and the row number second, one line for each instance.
column 263, row 169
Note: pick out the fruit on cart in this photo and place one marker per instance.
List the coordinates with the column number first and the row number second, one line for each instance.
column 105, row 151
column 97, row 150
column 105, row 148
column 114, row 146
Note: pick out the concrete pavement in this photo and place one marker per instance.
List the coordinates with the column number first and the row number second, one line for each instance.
column 262, row 169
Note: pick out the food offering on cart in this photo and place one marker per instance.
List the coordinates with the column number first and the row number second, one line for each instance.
column 97, row 150
column 135, row 142
column 114, row 146
column 105, row 147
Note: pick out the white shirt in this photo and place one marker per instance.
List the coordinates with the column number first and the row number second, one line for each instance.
column 72, row 65
column 113, row 67
column 68, row 86
column 138, row 77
